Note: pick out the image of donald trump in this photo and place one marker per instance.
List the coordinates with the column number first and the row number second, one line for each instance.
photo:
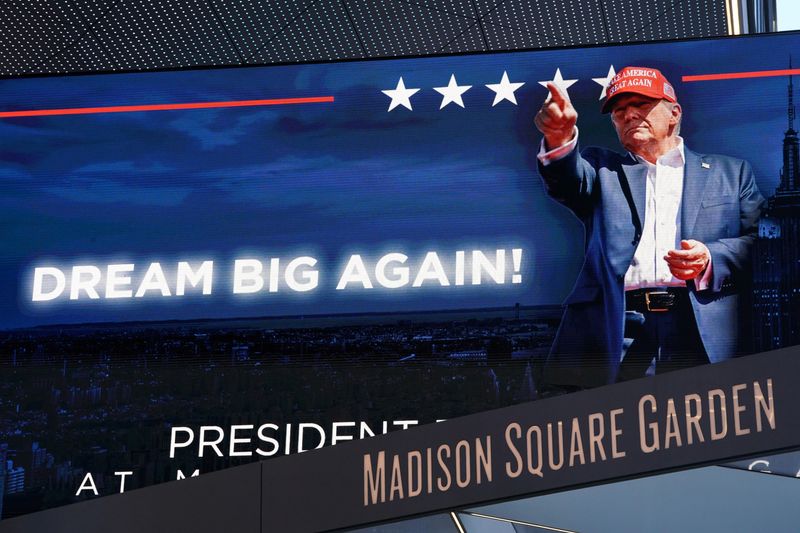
column 668, row 238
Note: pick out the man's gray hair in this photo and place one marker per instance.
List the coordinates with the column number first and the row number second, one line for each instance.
column 669, row 104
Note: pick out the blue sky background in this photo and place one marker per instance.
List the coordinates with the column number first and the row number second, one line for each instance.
column 330, row 180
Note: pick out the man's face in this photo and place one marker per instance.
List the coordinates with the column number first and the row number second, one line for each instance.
column 641, row 121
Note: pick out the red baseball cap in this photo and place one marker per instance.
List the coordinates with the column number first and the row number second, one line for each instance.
column 640, row 80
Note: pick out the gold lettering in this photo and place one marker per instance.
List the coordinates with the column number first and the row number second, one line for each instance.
column 428, row 453
column 616, row 434
column 576, row 443
column 535, row 470
column 596, row 437
column 483, row 463
column 463, row 481
column 712, row 413
column 414, row 472
column 672, row 431
column 443, row 486
column 374, row 481
column 553, row 465
column 396, row 481
column 693, row 420
column 767, row 406
column 518, row 458
column 648, row 448
column 738, row 409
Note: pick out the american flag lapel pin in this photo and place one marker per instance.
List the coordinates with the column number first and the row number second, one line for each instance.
column 705, row 165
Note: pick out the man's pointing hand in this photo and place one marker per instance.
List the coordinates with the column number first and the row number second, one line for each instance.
column 556, row 119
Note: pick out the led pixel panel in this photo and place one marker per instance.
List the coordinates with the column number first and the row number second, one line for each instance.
column 472, row 39
column 251, row 25
column 31, row 33
column 108, row 35
column 391, row 28
column 550, row 23
column 663, row 19
column 144, row 35
column 84, row 55
column 322, row 31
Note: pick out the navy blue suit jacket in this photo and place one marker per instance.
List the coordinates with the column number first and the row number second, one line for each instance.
column 720, row 207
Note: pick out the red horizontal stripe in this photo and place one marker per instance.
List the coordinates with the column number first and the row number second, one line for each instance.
column 741, row 75
column 163, row 107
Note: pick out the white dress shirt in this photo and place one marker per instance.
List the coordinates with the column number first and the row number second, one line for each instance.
column 661, row 227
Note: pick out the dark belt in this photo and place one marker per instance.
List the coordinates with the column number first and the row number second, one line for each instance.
column 655, row 300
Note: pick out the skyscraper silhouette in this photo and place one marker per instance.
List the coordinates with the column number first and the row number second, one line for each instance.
column 776, row 265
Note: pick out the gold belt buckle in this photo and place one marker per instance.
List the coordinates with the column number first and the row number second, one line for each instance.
column 647, row 302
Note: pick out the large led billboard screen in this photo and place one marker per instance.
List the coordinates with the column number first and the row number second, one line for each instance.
column 211, row 267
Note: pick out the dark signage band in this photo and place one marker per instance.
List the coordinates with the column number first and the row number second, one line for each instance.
column 698, row 416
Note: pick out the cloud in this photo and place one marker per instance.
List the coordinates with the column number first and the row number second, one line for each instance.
column 99, row 190
column 114, row 167
column 216, row 128
column 371, row 186
column 294, row 125
column 11, row 174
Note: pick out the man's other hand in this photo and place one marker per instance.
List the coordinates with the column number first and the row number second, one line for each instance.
column 690, row 261
column 556, row 119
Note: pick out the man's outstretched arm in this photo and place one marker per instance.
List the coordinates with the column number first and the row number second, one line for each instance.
column 567, row 177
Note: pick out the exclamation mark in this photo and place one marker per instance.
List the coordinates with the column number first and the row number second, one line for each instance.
column 516, row 256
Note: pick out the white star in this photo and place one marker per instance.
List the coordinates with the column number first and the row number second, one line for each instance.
column 605, row 81
column 559, row 82
column 504, row 90
column 400, row 95
column 452, row 93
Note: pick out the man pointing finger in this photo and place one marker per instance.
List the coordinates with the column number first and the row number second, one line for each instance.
column 557, row 118
column 668, row 238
